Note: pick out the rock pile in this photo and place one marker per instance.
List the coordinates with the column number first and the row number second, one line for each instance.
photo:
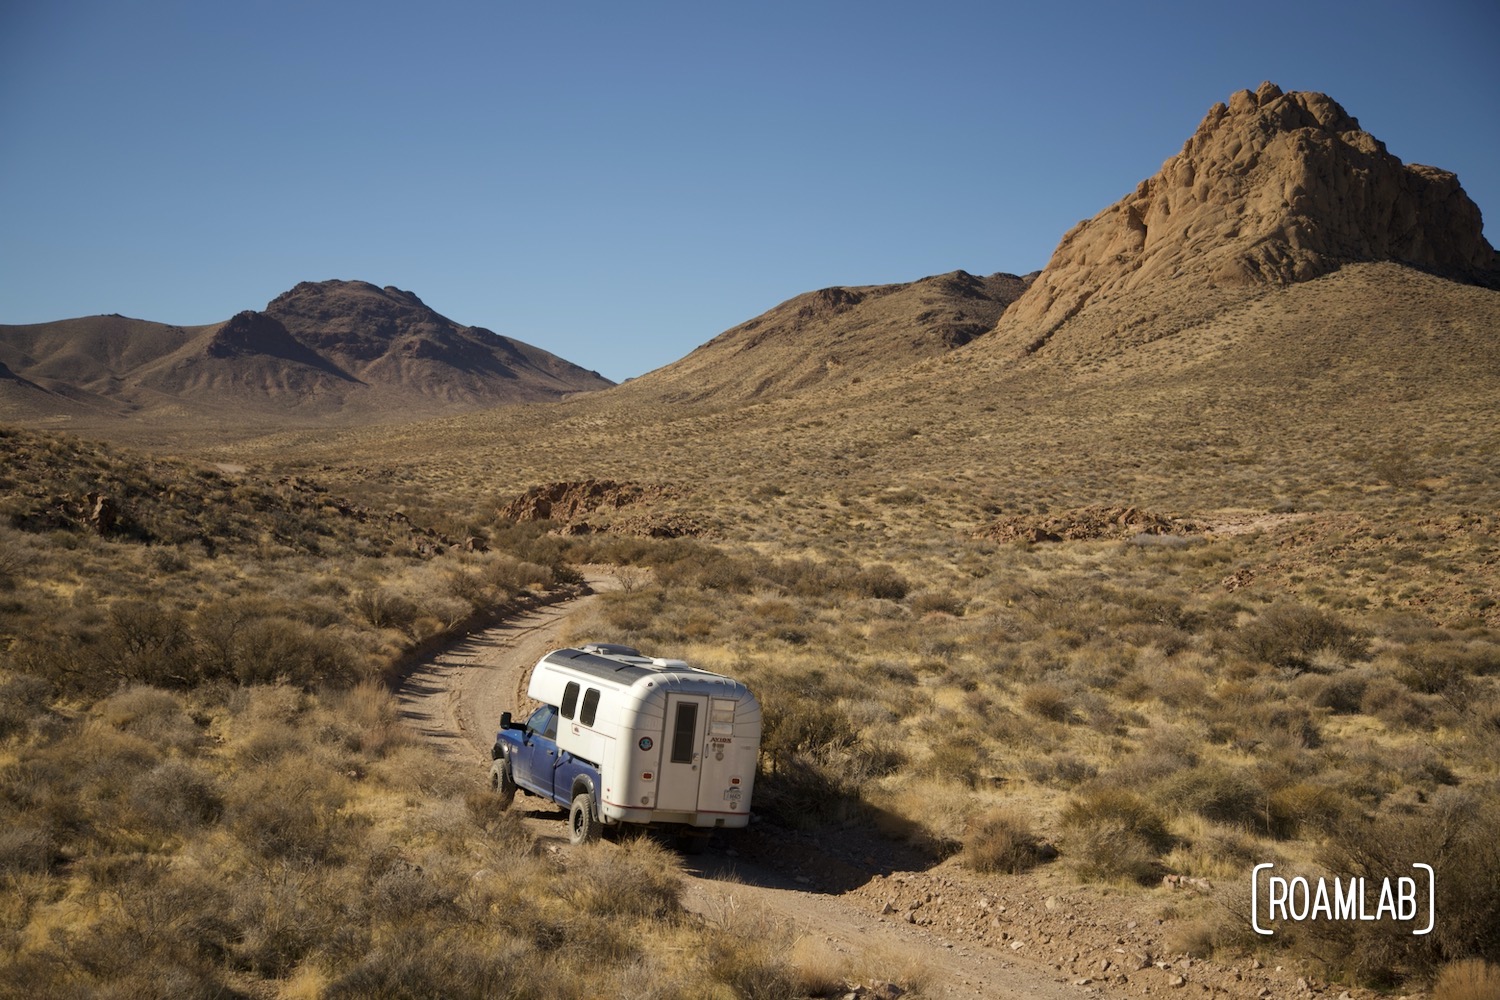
column 576, row 508
column 1088, row 523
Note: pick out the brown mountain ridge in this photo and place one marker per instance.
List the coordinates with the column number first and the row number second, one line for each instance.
column 835, row 337
column 332, row 350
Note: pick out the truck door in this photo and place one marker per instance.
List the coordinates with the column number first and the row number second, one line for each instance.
column 535, row 760
column 682, row 764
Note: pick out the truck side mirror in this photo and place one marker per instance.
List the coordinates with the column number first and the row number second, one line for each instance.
column 504, row 720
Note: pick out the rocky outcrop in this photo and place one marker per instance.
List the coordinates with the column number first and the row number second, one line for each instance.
column 1272, row 188
column 600, row 505
column 251, row 334
column 1087, row 523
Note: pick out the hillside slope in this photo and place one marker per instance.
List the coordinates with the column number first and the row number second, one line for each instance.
column 835, row 337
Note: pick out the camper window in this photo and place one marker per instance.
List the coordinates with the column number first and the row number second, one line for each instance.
column 721, row 723
column 590, row 706
column 683, row 730
column 570, row 699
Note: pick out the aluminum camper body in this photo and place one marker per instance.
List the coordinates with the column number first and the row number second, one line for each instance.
column 651, row 741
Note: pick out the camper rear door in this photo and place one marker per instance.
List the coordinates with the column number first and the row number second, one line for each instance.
column 681, row 765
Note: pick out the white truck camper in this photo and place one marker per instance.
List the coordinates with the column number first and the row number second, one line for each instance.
column 623, row 738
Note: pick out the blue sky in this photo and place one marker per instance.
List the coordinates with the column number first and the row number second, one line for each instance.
column 620, row 182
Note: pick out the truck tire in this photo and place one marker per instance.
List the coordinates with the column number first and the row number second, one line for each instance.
column 502, row 783
column 583, row 825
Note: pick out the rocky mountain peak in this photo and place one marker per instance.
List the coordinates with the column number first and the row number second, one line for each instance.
column 1272, row 188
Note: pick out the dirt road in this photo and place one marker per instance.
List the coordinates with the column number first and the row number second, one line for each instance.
column 853, row 894
column 455, row 699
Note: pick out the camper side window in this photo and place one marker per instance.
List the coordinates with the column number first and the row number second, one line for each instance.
column 722, row 717
column 590, row 706
column 570, row 699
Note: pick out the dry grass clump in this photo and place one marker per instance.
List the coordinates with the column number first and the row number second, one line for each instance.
column 1003, row 841
column 1114, row 834
column 1467, row 979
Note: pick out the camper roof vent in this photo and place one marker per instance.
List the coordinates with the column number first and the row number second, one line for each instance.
column 609, row 649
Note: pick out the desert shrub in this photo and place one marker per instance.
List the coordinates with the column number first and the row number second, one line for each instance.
column 1279, row 724
column 957, row 756
column 750, row 953
column 500, row 823
column 283, row 651
column 1304, row 807
column 1164, row 752
column 807, row 724
column 446, row 965
column 176, row 796
column 150, row 642
column 153, row 714
column 515, row 575
column 1454, row 834
column 293, row 814
column 1048, row 701
column 1212, row 850
column 631, row 614
column 1115, row 834
column 1467, row 979
column 1061, row 770
column 385, row 608
column 1289, row 635
column 881, row 581
column 366, row 720
column 637, row 878
column 1397, row 704
column 806, row 751
column 937, row 601
column 1447, row 668
column 1215, row 791
column 1341, row 693
column 1003, row 841
column 23, row 699
column 26, row 845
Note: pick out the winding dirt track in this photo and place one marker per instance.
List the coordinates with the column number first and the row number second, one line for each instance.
column 455, row 698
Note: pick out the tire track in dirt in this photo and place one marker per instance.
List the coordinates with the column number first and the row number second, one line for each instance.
column 454, row 698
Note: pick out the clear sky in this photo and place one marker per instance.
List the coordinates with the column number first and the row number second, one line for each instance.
column 618, row 182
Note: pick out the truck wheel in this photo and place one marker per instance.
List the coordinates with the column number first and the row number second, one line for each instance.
column 583, row 825
column 502, row 783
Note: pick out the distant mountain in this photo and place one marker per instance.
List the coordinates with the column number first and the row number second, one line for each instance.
column 835, row 337
column 331, row 350
column 1272, row 189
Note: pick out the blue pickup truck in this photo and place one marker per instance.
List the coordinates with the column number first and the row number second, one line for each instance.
column 626, row 739
column 527, row 758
